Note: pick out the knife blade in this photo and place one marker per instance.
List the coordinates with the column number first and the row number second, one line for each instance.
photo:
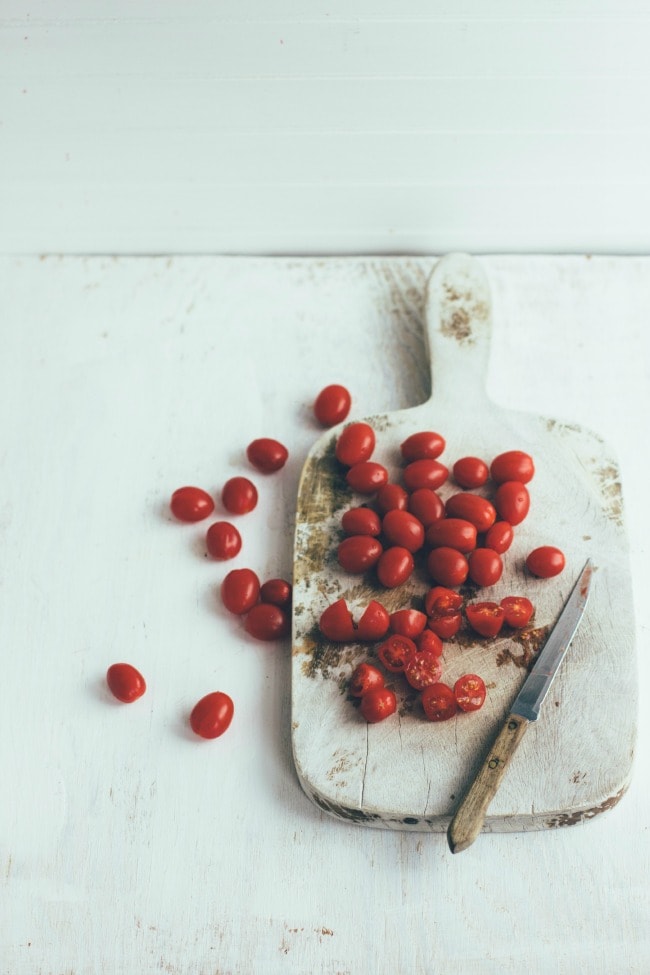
column 470, row 815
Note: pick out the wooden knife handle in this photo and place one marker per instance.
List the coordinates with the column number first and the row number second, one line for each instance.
column 470, row 815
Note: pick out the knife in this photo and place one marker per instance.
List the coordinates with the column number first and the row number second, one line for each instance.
column 470, row 815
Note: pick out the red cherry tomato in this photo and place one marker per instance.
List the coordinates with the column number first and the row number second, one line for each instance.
column 513, row 465
column 453, row 533
column 485, row 566
column 332, row 405
column 125, row 682
column 470, row 472
column 357, row 553
column 472, row 507
column 267, row 455
column 364, row 678
column 485, row 618
column 518, row 611
column 391, row 497
column 265, row 621
column 361, row 521
column 429, row 642
column 512, row 501
column 447, row 566
column 423, row 669
column 239, row 495
column 445, row 625
column 546, row 561
column 211, row 716
column 336, row 623
column 191, row 504
column 422, row 446
column 427, row 506
column 367, row 477
column 499, row 537
column 443, row 601
column 394, row 567
column 469, row 691
column 403, row 528
column 355, row 444
column 439, row 702
column 408, row 622
column 395, row 652
column 424, row 474
column 276, row 591
column 240, row 591
column 222, row 540
column 374, row 622
column 378, row 703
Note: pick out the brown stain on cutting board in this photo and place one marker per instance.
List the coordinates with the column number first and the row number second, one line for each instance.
column 582, row 815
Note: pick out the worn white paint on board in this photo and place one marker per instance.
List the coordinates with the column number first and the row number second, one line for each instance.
column 125, row 844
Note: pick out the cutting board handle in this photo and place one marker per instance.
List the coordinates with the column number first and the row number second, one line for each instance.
column 459, row 325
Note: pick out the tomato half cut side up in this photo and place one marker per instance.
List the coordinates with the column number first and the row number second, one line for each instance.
column 423, row 669
column 470, row 692
column 485, row 618
column 396, row 652
column 377, row 704
column 439, row 702
column 518, row 611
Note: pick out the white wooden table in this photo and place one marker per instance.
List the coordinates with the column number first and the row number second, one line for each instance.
column 128, row 845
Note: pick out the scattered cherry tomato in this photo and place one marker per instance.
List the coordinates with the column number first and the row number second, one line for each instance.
column 485, row 566
column 426, row 445
column 374, row 623
column 391, row 497
column 445, row 625
column 211, row 716
column 439, row 702
column 267, row 455
column 395, row 652
column 408, row 622
column 472, row 507
column 361, row 521
column 513, row 465
column 191, row 504
column 469, row 691
column 485, row 618
column 378, row 703
column 447, row 566
column 424, row 474
column 512, row 501
column 332, row 405
column 357, row 553
column 355, row 444
column 430, row 642
column 518, row 611
column 336, row 622
column 470, row 472
column 276, row 591
column 222, row 540
column 239, row 495
column 125, row 682
column 441, row 600
column 364, row 678
column 452, row 533
column 499, row 537
column 546, row 561
column 367, row 477
column 427, row 506
column 240, row 590
column 394, row 567
column 266, row 621
column 423, row 669
column 403, row 528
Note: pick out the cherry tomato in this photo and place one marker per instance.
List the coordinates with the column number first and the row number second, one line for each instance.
column 485, row 566
column 361, row 521
column 439, row 702
column 499, row 537
column 336, row 623
column 395, row 652
column 403, row 528
column 266, row 621
column 125, row 682
column 453, row 533
column 366, row 477
column 485, row 618
column 267, row 455
column 211, row 716
column 191, row 504
column 546, row 561
column 391, row 497
column 364, row 678
column 222, row 540
column 470, row 472
column 240, row 591
column 447, row 566
column 469, row 691
column 374, row 622
column 445, row 625
column 423, row 669
column 513, row 465
column 518, row 611
column 512, row 501
column 429, row 642
column 442, row 601
column 427, row 506
column 378, row 703
column 395, row 566
column 472, row 507
column 408, row 622
column 355, row 444
column 276, row 591
column 357, row 553
column 239, row 495
column 422, row 446
column 332, row 405
column 424, row 474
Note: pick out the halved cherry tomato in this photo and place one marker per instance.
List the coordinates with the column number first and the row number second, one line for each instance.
column 125, row 682
column 395, row 652
column 332, row 405
column 355, row 444
column 366, row 477
column 191, row 504
column 445, row 626
column 377, row 704
column 240, row 590
column 485, row 566
column 394, row 567
column 424, row 474
column 276, row 591
column 267, row 455
column 391, row 497
column 361, row 521
column 364, row 678
column 239, row 495
column 470, row 472
column 513, row 465
column 486, row 618
column 403, row 528
column 266, row 621
column 357, row 553
column 452, row 533
column 211, row 716
column 443, row 601
column 472, row 507
column 336, row 623
column 546, row 561
column 423, row 669
column 469, row 691
column 447, row 566
column 408, row 622
column 439, row 702
column 499, row 537
column 374, row 623
column 429, row 641
column 222, row 540
column 518, row 610
column 512, row 501
column 425, row 445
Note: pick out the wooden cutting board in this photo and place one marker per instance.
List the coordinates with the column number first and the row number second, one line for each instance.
column 407, row 773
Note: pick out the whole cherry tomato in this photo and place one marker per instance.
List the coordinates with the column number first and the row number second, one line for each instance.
column 513, row 465
column 222, row 540
column 447, row 566
column 518, row 611
column 191, row 504
column 408, row 622
column 499, row 537
column 395, row 652
column 378, row 703
column 485, row 566
column 469, row 691
column 439, row 702
column 367, row 477
column 403, row 528
column 211, row 716
column 424, row 474
column 361, row 521
column 546, row 561
column 239, row 495
column 374, row 622
column 430, row 642
column 266, row 621
column 267, row 455
column 394, row 567
column 426, row 445
column 364, row 678
column 512, row 501
column 470, row 472
column 452, row 533
column 391, row 497
column 240, row 590
column 355, row 444
column 472, row 507
column 336, row 623
column 125, row 682
column 423, row 669
column 486, row 618
column 332, row 405
column 276, row 591
column 427, row 506
column 357, row 553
